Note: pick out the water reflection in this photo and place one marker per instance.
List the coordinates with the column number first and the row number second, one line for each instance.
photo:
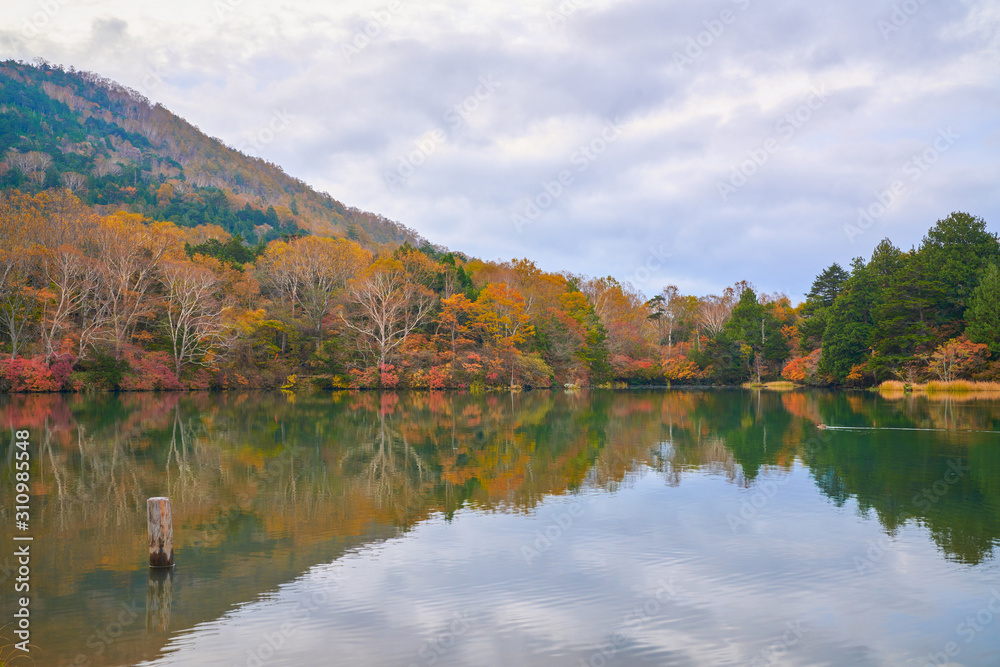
column 264, row 488
column 159, row 597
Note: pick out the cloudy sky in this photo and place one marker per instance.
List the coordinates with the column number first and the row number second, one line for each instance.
column 658, row 141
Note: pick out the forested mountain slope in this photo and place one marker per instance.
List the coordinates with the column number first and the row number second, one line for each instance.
column 115, row 149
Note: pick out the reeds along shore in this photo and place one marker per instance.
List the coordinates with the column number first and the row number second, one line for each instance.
column 967, row 389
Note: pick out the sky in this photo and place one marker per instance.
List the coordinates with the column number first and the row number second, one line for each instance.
column 655, row 141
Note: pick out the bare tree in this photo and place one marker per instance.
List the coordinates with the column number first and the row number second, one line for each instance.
column 18, row 227
column 73, row 181
column 129, row 252
column 106, row 167
column 72, row 279
column 23, row 162
column 32, row 164
column 193, row 311
column 388, row 305
column 714, row 311
column 671, row 313
column 39, row 161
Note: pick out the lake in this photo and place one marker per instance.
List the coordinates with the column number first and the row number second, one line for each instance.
column 540, row 528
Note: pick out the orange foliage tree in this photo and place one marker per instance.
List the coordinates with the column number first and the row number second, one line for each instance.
column 957, row 358
column 802, row 369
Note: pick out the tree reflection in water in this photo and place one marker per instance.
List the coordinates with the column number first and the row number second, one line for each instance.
column 257, row 476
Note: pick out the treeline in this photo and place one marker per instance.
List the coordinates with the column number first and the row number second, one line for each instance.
column 118, row 301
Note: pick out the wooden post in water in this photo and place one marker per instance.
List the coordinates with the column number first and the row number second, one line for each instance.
column 161, row 532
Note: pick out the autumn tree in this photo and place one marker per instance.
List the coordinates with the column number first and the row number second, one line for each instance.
column 595, row 352
column 193, row 311
column 277, row 271
column 620, row 308
column 129, row 252
column 385, row 305
column 63, row 219
column 501, row 319
column 521, row 275
column 957, row 358
column 310, row 272
column 802, row 369
column 454, row 319
column 20, row 216
column 322, row 267
column 422, row 269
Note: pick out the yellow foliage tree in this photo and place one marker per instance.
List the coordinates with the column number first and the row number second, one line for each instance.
column 501, row 319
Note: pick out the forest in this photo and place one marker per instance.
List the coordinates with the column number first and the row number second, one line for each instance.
column 137, row 253
column 98, row 300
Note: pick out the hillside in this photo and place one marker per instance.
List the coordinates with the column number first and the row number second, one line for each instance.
column 115, row 149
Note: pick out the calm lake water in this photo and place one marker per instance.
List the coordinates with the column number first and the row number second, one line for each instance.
column 543, row 528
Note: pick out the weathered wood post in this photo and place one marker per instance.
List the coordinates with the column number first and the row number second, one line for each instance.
column 161, row 532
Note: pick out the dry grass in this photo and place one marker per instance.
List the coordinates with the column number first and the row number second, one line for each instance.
column 9, row 657
column 777, row 385
column 780, row 385
column 961, row 387
column 938, row 388
column 892, row 386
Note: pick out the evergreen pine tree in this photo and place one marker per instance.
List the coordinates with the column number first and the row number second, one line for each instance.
column 984, row 312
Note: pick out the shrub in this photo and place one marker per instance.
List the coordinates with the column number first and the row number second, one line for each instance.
column 803, row 369
column 636, row 371
column 102, row 372
column 680, row 368
column 27, row 375
column 150, row 371
column 532, row 371
column 437, row 377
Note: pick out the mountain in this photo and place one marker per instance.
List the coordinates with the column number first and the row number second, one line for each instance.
column 115, row 149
